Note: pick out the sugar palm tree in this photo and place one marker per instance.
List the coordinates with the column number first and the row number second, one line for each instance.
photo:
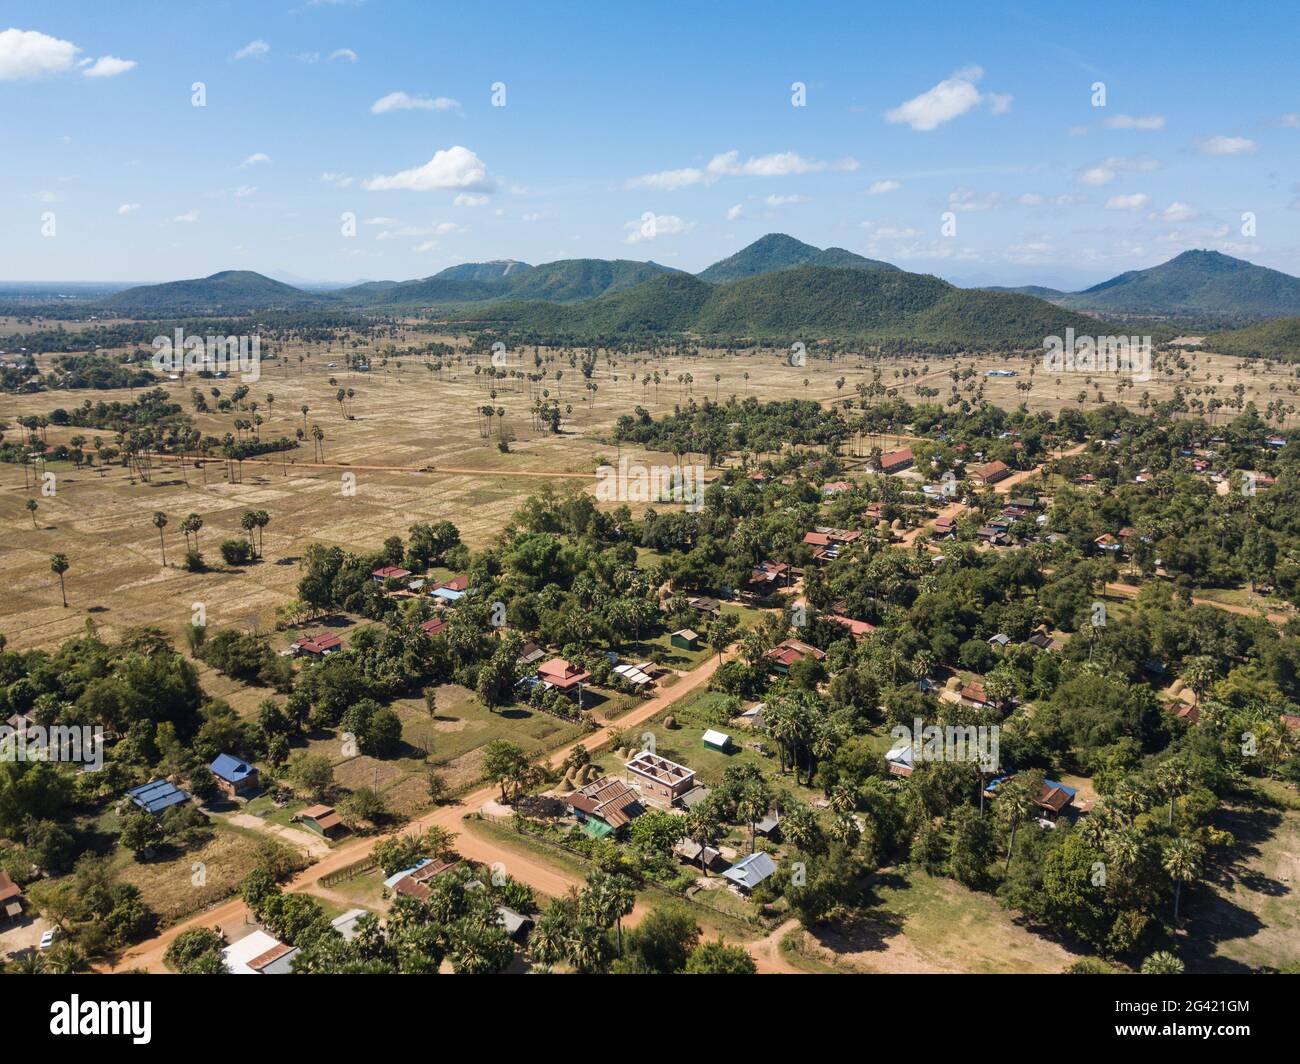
column 702, row 829
column 1182, row 860
column 160, row 522
column 31, row 509
column 1015, row 805
column 59, row 566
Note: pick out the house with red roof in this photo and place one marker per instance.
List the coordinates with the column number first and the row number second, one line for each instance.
column 564, row 677
column 791, row 652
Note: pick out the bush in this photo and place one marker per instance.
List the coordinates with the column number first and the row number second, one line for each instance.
column 236, row 552
column 194, row 561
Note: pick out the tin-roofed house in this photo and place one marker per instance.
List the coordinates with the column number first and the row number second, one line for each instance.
column 235, row 778
column 749, row 872
column 157, row 796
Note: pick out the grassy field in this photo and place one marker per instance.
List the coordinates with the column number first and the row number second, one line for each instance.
column 1245, row 918
column 918, row 923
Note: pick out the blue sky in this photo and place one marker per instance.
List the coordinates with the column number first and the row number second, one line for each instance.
column 661, row 131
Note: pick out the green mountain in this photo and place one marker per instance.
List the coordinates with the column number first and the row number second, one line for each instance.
column 1035, row 290
column 573, row 280
column 227, row 292
column 493, row 270
column 437, row 290
column 776, row 251
column 1196, row 283
column 808, row 301
column 1279, row 338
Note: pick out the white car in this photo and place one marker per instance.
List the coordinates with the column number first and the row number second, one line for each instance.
column 47, row 939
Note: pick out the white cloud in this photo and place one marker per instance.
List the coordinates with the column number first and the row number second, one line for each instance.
column 734, row 212
column 1227, row 146
column 1134, row 202
column 188, row 216
column 128, row 208
column 1290, row 121
column 668, row 180
column 1030, row 199
column 454, row 167
column 1135, row 122
column 651, row 226
column 879, row 188
column 1105, row 172
column 243, row 191
column 343, row 53
column 777, row 164
column 951, row 98
column 401, row 101
column 255, row 158
column 775, row 200
column 428, row 245
column 469, row 199
column 965, row 199
column 28, row 54
column 46, row 196
column 380, row 220
column 253, row 50
column 1178, row 212
column 331, row 177
column 108, row 66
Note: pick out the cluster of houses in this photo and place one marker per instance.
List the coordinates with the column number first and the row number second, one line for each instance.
column 607, row 805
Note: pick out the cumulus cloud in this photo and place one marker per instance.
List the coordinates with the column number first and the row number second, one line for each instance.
column 187, row 217
column 244, row 191
column 128, row 208
column 401, row 101
column 734, row 212
column 452, row 168
column 776, row 200
column 879, row 188
column 651, row 226
column 951, row 98
column 253, row 50
column 1133, row 202
column 1226, row 146
column 108, row 66
column 255, row 158
column 331, row 177
column 343, row 53
column 1135, row 122
column 470, row 199
column 28, row 54
column 1178, row 212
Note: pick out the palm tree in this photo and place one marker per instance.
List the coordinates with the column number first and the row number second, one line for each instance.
column 1172, row 778
column 1015, row 805
column 752, row 807
column 59, row 566
column 1182, row 860
column 702, row 829
column 160, row 522
column 31, row 509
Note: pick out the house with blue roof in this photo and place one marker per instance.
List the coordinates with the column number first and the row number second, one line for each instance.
column 749, row 872
column 157, row 796
column 234, row 777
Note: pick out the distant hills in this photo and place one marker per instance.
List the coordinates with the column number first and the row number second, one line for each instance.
column 776, row 286
column 810, row 302
column 228, row 292
column 776, row 251
column 1278, row 338
column 1196, row 283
